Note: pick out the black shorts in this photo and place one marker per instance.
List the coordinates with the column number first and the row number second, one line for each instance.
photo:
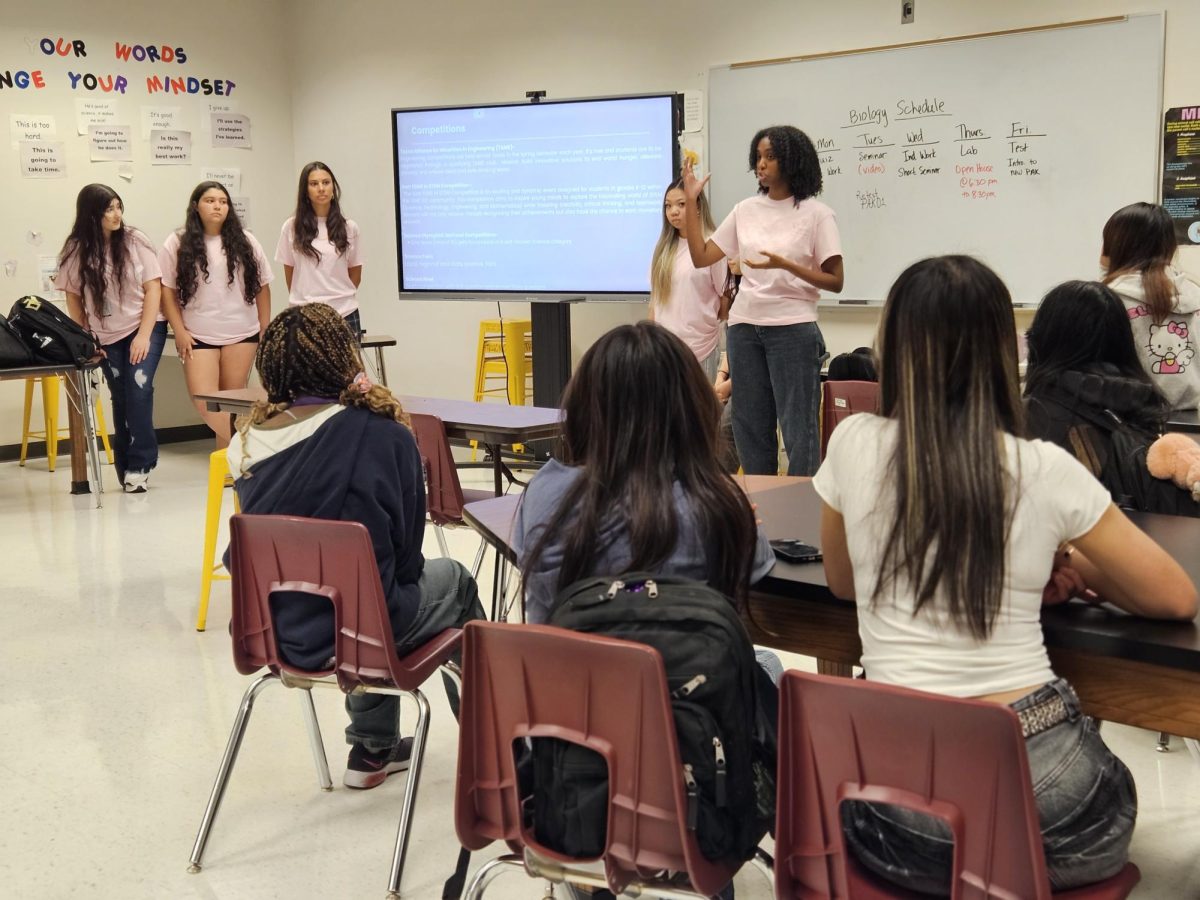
column 200, row 345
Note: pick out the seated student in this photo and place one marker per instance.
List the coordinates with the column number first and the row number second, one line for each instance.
column 1086, row 390
column 328, row 444
column 946, row 527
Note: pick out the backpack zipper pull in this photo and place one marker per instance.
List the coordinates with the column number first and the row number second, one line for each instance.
column 693, row 797
column 719, row 753
column 651, row 589
column 685, row 690
column 613, row 588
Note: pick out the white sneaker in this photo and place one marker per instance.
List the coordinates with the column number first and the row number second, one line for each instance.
column 137, row 482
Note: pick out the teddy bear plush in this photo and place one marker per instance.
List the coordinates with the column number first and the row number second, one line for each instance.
column 1176, row 457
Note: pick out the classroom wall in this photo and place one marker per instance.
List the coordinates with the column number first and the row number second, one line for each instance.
column 222, row 40
column 370, row 56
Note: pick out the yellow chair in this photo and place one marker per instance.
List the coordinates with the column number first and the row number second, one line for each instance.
column 504, row 354
column 51, row 433
column 212, row 569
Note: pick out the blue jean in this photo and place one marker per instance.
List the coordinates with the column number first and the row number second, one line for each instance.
column 776, row 371
column 1086, row 804
column 354, row 323
column 449, row 599
column 135, row 446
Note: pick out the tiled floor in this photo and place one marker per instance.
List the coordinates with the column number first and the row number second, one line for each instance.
column 115, row 712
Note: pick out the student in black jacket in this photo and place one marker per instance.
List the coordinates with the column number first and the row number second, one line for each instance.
column 1086, row 390
column 328, row 444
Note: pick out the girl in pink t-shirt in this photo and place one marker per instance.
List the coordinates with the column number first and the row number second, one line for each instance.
column 110, row 275
column 216, row 296
column 790, row 250
column 320, row 249
column 684, row 299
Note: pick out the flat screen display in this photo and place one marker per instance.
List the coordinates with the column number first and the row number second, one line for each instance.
column 552, row 198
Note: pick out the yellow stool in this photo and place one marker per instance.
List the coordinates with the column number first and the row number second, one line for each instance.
column 52, row 433
column 505, row 352
column 211, row 568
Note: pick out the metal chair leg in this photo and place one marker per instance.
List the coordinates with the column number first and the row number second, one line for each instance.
column 410, row 793
column 488, row 872
column 478, row 564
column 1164, row 743
column 314, row 740
column 441, row 539
column 227, row 761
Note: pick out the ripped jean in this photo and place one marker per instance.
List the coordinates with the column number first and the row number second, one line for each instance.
column 1086, row 804
column 135, row 446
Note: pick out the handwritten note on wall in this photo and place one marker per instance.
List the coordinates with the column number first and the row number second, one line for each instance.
column 230, row 177
column 170, row 148
column 163, row 118
column 29, row 127
column 43, row 159
column 90, row 112
column 230, row 130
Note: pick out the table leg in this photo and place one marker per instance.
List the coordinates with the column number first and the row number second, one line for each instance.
column 497, row 468
column 93, row 448
column 379, row 366
column 75, row 425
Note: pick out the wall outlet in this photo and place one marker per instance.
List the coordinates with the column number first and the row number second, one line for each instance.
column 908, row 11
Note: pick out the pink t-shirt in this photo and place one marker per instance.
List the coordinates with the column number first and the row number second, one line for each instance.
column 124, row 311
column 327, row 281
column 218, row 313
column 691, row 311
column 806, row 234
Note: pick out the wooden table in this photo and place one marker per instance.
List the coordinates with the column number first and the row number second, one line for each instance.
column 80, row 420
column 491, row 424
column 1126, row 669
column 1184, row 420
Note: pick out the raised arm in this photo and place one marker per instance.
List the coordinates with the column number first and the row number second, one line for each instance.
column 704, row 252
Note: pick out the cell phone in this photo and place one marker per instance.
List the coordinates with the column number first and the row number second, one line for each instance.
column 793, row 551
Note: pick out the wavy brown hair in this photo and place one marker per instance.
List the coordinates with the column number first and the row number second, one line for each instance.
column 640, row 417
column 948, row 347
column 307, row 351
column 304, row 219
column 1139, row 239
column 193, row 256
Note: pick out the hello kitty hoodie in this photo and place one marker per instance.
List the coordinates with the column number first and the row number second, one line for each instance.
column 1167, row 350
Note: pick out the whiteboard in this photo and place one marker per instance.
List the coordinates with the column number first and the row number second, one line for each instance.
column 1015, row 148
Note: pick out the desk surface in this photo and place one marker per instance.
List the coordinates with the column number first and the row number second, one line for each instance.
column 41, row 370
column 1184, row 420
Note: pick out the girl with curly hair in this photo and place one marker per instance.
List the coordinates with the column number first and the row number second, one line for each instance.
column 788, row 244
column 216, row 297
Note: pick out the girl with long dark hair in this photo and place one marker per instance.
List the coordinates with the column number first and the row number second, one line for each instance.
column 328, row 444
column 320, row 248
column 788, row 244
column 216, row 297
column 1163, row 303
column 110, row 274
column 948, row 529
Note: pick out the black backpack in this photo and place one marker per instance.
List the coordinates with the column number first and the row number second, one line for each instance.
column 13, row 352
column 724, row 705
column 50, row 333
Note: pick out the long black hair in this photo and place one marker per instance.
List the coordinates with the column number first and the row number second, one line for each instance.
column 86, row 241
column 797, row 158
column 1139, row 239
column 948, row 352
column 640, row 417
column 1079, row 327
column 193, row 257
column 304, row 221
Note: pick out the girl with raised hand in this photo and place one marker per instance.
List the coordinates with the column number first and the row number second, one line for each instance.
column 110, row 274
column 684, row 299
column 216, row 297
column 788, row 244
column 1163, row 303
column 949, row 530
column 320, row 248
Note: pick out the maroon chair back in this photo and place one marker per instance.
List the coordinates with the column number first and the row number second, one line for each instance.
column 842, row 399
column 445, row 495
column 336, row 560
column 961, row 760
column 608, row 695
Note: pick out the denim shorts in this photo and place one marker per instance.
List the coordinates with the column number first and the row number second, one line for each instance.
column 1086, row 801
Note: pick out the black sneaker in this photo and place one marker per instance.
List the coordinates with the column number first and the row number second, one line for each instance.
column 365, row 769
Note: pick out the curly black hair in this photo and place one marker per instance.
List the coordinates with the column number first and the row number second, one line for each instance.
column 797, row 159
column 192, row 261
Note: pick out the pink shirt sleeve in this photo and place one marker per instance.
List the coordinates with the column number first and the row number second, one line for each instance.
column 147, row 258
column 726, row 236
column 265, row 273
column 827, row 241
column 67, row 278
column 354, row 254
column 284, row 252
column 168, row 261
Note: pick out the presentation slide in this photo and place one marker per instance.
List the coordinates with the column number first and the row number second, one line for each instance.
column 555, row 198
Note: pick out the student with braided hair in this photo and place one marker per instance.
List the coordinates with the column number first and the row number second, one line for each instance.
column 329, row 444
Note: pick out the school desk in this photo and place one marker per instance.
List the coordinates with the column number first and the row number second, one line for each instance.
column 1126, row 669
column 1184, row 420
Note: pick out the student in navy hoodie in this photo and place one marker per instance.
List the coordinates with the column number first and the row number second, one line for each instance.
column 328, row 444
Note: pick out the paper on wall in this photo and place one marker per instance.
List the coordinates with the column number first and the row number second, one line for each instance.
column 110, row 142
column 31, row 127
column 693, row 111
column 43, row 159
column 94, row 112
column 170, row 148
column 162, row 118
column 206, row 116
column 241, row 205
column 226, row 175
column 230, row 130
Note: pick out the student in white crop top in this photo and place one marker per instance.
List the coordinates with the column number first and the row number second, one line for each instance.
column 788, row 244
column 946, row 527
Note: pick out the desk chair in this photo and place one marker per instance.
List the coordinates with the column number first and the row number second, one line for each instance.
column 51, row 433
column 842, row 399
column 962, row 760
column 524, row 681
column 335, row 560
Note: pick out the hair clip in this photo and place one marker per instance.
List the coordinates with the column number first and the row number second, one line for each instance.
column 362, row 382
